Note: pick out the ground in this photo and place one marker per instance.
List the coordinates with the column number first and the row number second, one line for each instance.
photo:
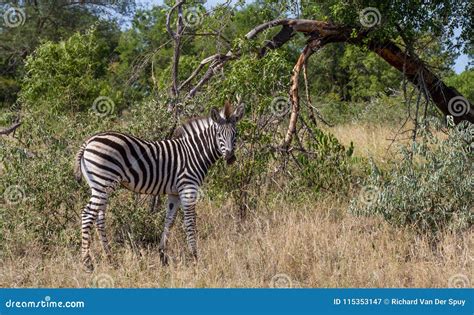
column 306, row 244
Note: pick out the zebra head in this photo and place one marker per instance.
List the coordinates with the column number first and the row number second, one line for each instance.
column 226, row 122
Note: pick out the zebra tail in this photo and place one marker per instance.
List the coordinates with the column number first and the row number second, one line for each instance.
column 77, row 164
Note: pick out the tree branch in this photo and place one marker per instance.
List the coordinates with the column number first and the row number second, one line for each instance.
column 321, row 33
column 294, row 91
column 10, row 129
column 177, row 47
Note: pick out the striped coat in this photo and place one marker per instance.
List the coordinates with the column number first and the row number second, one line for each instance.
column 175, row 167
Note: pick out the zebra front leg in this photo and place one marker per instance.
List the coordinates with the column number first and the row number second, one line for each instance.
column 190, row 228
column 171, row 211
column 188, row 200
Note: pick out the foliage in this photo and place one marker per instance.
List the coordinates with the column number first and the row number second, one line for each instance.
column 463, row 82
column 59, row 69
column 325, row 165
column 431, row 189
column 368, row 75
column 66, row 76
column 42, row 21
column 38, row 167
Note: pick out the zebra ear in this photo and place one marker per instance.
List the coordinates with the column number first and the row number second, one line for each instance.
column 239, row 112
column 216, row 116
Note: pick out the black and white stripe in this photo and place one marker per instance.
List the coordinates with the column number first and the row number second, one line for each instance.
column 175, row 167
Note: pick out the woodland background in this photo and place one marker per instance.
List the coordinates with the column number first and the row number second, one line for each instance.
column 374, row 190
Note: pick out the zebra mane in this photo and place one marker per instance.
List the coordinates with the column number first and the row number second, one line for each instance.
column 193, row 126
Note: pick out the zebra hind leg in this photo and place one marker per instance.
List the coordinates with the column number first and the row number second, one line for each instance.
column 100, row 223
column 89, row 216
column 94, row 212
column 171, row 211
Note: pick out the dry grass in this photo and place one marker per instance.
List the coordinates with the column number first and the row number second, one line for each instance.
column 314, row 245
column 369, row 140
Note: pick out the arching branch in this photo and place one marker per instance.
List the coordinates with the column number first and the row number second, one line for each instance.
column 321, row 33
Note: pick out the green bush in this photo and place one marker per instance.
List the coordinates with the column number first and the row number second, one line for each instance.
column 37, row 170
column 68, row 75
column 431, row 188
column 324, row 165
column 463, row 83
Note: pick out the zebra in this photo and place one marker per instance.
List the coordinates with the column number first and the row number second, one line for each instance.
column 176, row 167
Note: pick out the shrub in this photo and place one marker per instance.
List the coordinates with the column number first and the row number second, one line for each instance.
column 324, row 165
column 38, row 192
column 66, row 76
column 431, row 188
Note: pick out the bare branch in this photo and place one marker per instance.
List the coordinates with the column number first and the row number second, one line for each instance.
column 10, row 129
column 294, row 94
column 168, row 18
column 218, row 62
column 262, row 27
column 198, row 69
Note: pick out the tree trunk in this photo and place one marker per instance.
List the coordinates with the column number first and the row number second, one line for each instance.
column 446, row 98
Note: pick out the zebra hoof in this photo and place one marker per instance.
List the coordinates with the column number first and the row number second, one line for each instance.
column 88, row 266
column 113, row 263
column 163, row 258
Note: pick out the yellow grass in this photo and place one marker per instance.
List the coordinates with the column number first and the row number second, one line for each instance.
column 314, row 243
column 369, row 140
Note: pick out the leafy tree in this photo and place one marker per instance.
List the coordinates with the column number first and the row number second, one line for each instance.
column 68, row 75
column 464, row 83
column 38, row 21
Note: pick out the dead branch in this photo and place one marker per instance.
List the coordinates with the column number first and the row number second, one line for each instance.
column 217, row 64
column 177, row 44
column 294, row 93
column 198, row 69
column 168, row 18
column 10, row 129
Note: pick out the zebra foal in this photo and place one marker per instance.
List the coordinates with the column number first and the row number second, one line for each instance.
column 175, row 167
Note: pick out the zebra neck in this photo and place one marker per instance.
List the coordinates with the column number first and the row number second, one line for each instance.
column 214, row 150
column 208, row 148
column 202, row 146
column 200, row 137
